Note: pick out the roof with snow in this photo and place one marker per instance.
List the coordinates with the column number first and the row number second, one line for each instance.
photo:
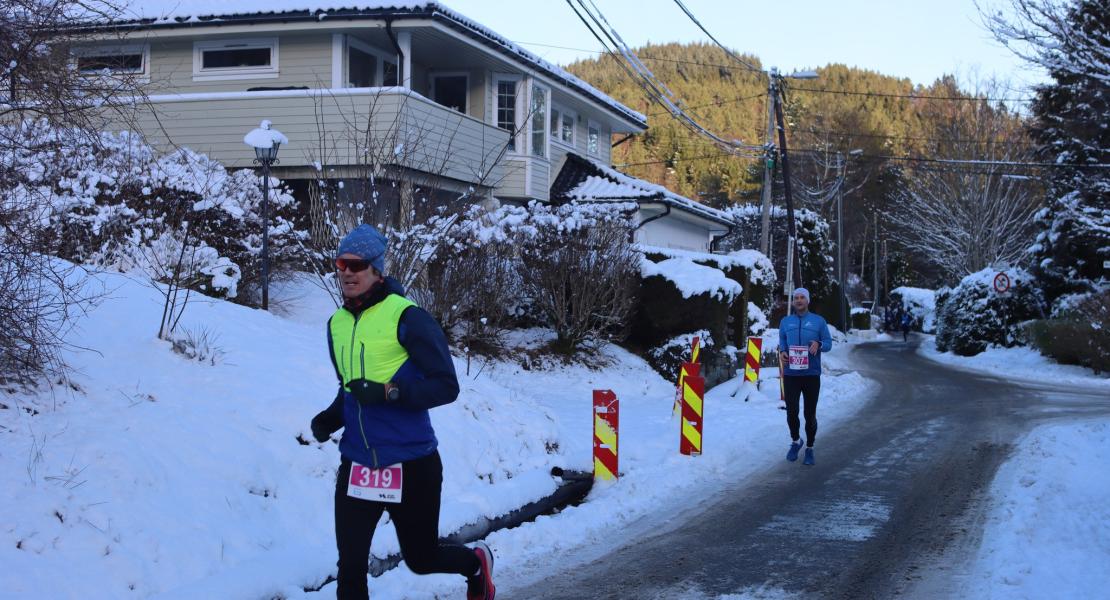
column 585, row 180
column 162, row 14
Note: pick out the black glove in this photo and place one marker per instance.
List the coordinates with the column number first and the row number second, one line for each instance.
column 318, row 430
column 367, row 392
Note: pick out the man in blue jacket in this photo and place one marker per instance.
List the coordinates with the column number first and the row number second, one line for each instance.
column 803, row 336
column 393, row 364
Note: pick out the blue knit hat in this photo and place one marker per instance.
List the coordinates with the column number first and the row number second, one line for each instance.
column 366, row 243
column 801, row 291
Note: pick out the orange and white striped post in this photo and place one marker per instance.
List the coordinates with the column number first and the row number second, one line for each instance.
column 606, row 425
column 693, row 396
column 751, row 362
column 695, row 354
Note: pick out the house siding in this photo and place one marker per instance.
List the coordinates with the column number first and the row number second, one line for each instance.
column 437, row 140
column 304, row 60
column 673, row 233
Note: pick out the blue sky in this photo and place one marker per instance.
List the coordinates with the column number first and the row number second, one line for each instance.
column 918, row 39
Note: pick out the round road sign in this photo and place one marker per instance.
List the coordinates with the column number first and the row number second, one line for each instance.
column 1001, row 283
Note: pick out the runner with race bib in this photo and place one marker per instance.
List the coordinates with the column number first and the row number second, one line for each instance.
column 393, row 364
column 803, row 336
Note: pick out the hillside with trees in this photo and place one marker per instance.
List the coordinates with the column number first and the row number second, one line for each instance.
column 852, row 121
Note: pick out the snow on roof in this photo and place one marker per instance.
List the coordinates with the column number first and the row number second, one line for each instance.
column 614, row 185
column 692, row 279
column 194, row 12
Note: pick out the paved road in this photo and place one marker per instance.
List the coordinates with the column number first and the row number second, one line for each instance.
column 892, row 508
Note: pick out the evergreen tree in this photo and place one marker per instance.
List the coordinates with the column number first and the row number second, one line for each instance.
column 1070, row 115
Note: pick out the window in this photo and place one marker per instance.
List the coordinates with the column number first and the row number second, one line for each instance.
column 361, row 68
column 235, row 59
column 505, row 102
column 593, row 138
column 539, row 121
column 389, row 74
column 129, row 60
column 562, row 125
column 451, row 90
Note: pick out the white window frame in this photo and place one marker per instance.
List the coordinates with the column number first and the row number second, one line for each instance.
column 432, row 85
column 270, row 71
column 382, row 56
column 546, row 91
column 144, row 49
column 562, row 111
column 592, row 124
column 517, row 131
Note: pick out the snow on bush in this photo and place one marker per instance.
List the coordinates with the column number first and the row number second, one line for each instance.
column 920, row 303
column 757, row 320
column 692, row 279
column 972, row 315
column 118, row 204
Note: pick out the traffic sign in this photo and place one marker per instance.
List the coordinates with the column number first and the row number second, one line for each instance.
column 1001, row 283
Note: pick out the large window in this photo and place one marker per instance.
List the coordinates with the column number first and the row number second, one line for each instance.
column 451, row 90
column 593, row 138
column 562, row 125
column 235, row 59
column 114, row 60
column 538, row 111
column 505, row 103
column 362, row 67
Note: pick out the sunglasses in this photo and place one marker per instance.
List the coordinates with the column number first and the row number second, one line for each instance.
column 354, row 265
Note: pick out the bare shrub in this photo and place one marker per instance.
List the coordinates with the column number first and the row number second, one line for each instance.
column 580, row 269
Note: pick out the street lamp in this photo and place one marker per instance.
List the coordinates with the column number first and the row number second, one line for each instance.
column 265, row 142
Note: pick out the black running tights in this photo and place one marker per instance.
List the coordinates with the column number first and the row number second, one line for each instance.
column 808, row 386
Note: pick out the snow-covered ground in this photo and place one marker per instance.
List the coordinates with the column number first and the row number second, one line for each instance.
column 1048, row 530
column 1048, row 525
column 1018, row 363
column 159, row 476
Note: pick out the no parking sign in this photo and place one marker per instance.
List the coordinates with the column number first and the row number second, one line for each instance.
column 1002, row 283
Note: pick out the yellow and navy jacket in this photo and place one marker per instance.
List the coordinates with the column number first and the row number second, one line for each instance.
column 388, row 339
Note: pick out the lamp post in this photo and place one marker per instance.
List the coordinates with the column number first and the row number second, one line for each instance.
column 265, row 142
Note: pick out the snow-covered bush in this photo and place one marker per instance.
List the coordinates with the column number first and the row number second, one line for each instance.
column 118, row 204
column 920, row 303
column 579, row 269
column 470, row 279
column 1079, row 334
column 972, row 315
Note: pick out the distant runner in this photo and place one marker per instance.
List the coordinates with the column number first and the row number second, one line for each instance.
column 393, row 364
column 803, row 336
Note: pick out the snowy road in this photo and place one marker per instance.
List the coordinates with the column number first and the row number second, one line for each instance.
column 893, row 507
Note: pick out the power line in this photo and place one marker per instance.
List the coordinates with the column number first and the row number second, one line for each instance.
column 719, row 103
column 815, row 90
column 719, row 44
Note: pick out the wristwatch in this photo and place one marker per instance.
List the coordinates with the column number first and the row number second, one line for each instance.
column 394, row 394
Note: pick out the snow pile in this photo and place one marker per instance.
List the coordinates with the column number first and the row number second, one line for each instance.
column 920, row 303
column 1050, row 522
column 155, row 475
column 692, row 279
column 1019, row 363
column 754, row 262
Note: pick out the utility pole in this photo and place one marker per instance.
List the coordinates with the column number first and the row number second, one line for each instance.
column 840, row 243
column 768, row 165
column 792, row 239
column 875, row 271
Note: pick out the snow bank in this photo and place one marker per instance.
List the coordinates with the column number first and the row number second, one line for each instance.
column 1018, row 363
column 1049, row 524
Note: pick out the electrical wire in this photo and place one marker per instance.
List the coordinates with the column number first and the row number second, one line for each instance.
column 731, row 55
